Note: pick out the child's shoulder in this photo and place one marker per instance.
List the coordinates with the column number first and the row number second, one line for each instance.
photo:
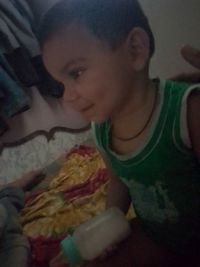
column 180, row 87
column 180, row 92
column 179, row 97
column 177, row 93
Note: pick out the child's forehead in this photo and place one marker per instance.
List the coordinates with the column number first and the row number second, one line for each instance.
column 72, row 42
column 75, row 39
column 74, row 33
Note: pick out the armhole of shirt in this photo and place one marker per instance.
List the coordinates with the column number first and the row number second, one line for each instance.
column 184, row 130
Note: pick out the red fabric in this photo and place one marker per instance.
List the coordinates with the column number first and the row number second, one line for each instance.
column 88, row 187
column 81, row 150
column 44, row 249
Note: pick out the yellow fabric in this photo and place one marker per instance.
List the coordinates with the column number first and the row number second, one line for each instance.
column 49, row 214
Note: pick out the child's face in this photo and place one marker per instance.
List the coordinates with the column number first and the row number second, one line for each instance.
column 97, row 79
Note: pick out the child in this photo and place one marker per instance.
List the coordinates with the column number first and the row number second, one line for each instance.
column 147, row 130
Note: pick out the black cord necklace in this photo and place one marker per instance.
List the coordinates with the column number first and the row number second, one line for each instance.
column 143, row 128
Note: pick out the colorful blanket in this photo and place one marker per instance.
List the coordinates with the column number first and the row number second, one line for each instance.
column 74, row 195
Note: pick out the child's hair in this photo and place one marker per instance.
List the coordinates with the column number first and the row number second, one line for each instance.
column 109, row 20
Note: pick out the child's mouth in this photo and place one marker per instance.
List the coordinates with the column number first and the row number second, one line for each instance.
column 86, row 108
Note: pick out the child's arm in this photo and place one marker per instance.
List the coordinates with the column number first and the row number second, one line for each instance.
column 117, row 192
column 194, row 121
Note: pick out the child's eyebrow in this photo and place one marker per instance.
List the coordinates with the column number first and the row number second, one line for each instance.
column 71, row 63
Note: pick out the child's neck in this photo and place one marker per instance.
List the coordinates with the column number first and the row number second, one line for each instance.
column 136, row 101
column 135, row 115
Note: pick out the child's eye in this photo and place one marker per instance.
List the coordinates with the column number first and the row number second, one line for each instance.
column 75, row 74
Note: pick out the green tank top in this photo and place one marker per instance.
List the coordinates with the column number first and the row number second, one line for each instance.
column 163, row 176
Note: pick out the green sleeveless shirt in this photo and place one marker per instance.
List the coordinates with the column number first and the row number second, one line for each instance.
column 163, row 176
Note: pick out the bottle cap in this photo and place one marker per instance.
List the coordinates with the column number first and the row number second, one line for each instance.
column 70, row 251
column 70, row 230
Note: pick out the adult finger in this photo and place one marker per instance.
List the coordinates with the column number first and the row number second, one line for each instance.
column 191, row 55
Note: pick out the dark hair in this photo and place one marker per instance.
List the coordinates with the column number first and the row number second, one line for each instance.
column 109, row 20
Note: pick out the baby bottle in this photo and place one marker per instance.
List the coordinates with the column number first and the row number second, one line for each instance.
column 94, row 236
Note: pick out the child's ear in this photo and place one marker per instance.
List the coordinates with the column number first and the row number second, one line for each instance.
column 138, row 48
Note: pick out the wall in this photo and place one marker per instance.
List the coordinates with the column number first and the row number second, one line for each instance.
column 174, row 23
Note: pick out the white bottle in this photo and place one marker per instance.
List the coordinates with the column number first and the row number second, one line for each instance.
column 94, row 236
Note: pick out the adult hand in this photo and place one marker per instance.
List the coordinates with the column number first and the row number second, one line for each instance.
column 192, row 56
